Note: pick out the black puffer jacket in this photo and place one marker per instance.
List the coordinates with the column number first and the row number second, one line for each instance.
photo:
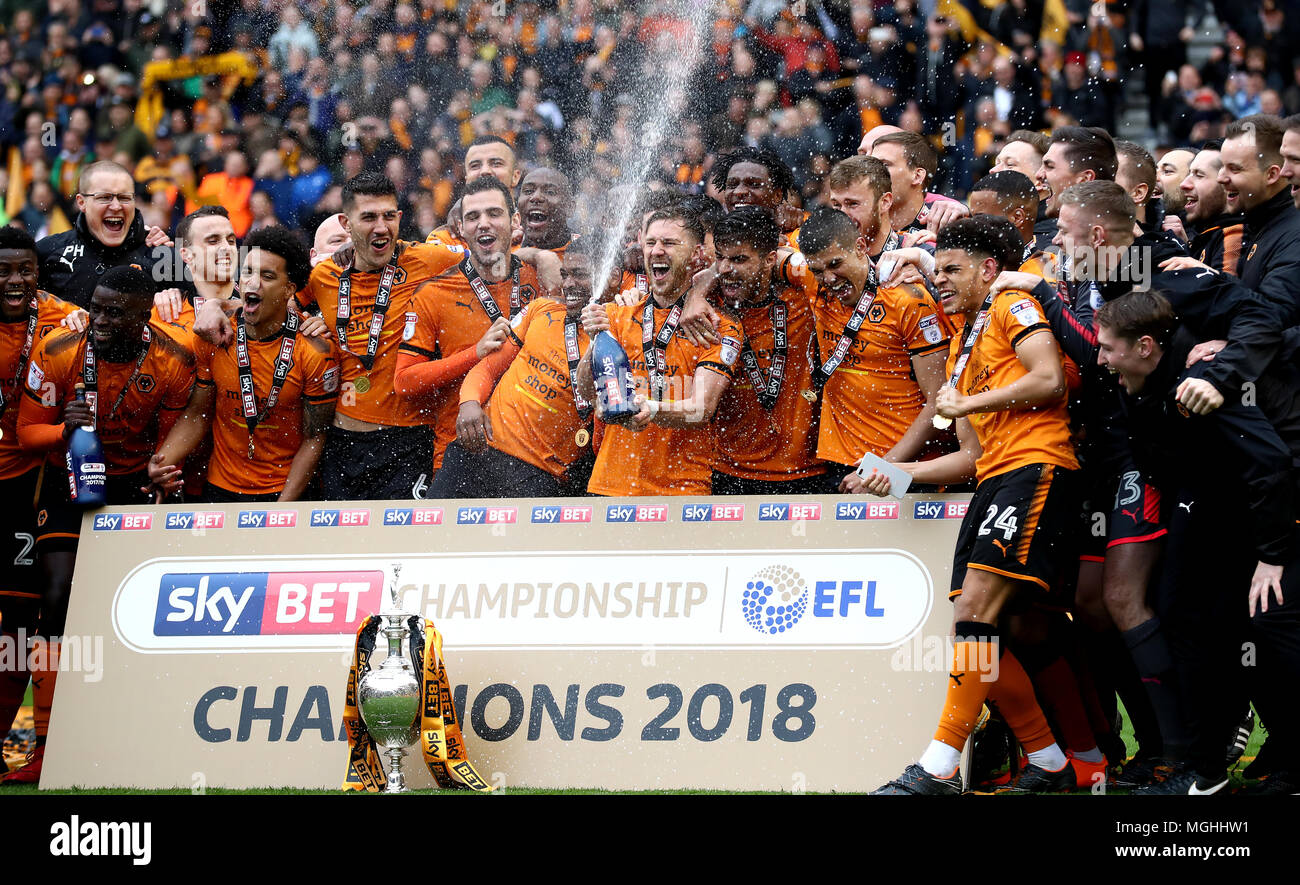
column 72, row 262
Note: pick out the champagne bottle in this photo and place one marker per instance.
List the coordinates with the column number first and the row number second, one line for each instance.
column 87, row 472
column 615, row 387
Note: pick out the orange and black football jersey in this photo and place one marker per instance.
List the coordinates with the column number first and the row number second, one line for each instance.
column 50, row 313
column 532, row 411
column 448, row 318
column 374, row 400
column 314, row 377
column 873, row 397
column 156, row 396
column 1011, row 438
column 779, row 443
column 660, row 460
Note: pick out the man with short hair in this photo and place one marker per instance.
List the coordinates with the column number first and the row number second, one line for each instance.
column 1075, row 154
column 1254, row 185
column 1136, row 173
column 492, row 155
column 27, row 315
column 860, row 188
column 878, row 358
column 136, row 382
column 545, row 198
column 668, row 447
column 912, row 164
column 267, row 444
column 107, row 232
column 1291, row 155
column 1012, row 195
column 1010, row 389
column 209, row 251
column 1216, row 234
column 464, row 312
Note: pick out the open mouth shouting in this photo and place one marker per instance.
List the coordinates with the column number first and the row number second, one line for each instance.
column 660, row 271
column 115, row 224
column 252, row 305
column 536, row 220
column 15, row 298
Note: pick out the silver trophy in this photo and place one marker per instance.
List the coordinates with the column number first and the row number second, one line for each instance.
column 389, row 696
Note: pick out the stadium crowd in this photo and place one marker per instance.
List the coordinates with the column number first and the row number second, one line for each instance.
column 282, row 251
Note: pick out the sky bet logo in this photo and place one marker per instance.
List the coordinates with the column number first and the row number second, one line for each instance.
column 123, row 522
column 940, row 510
column 636, row 513
column 486, row 515
column 265, row 603
column 200, row 520
column 788, row 512
column 413, row 516
column 713, row 512
column 344, row 518
column 268, row 519
column 554, row 514
column 866, row 510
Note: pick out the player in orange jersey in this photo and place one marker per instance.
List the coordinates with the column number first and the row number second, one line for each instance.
column 668, row 448
column 1008, row 384
column 879, row 354
column 136, row 382
column 208, row 249
column 463, row 313
column 268, row 396
column 535, row 431
column 27, row 315
column 545, row 198
column 767, row 420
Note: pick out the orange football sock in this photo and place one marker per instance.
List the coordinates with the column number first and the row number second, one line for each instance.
column 1014, row 694
column 975, row 656
column 43, row 688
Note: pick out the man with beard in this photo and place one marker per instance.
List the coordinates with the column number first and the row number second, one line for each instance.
column 879, row 354
column 1171, row 169
column 136, row 382
column 668, row 447
column 860, row 188
column 463, row 312
column 912, row 164
column 1216, row 235
column 27, row 315
column 267, row 446
column 756, row 177
column 486, row 155
column 536, row 429
column 767, row 420
column 635, row 282
column 544, row 201
column 108, row 232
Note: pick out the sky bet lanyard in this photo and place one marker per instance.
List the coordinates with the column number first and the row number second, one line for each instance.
column 485, row 297
column 821, row 374
column 382, row 300
column 33, row 309
column 90, row 378
column 972, row 335
column 654, row 347
column 574, row 355
column 768, row 389
column 283, row 363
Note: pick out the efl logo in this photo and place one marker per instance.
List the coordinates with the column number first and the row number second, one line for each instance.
column 335, row 518
column 788, row 512
column 265, row 603
column 940, row 510
column 636, row 513
column 198, row 520
column 413, row 516
column 713, row 512
column 486, row 515
column 268, row 519
column 552, row 514
column 867, row 510
column 123, row 522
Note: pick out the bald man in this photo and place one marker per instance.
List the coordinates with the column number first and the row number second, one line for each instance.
column 330, row 235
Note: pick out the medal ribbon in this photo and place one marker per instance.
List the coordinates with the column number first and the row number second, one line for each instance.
column 981, row 320
column 654, row 346
column 441, row 741
column 485, row 297
column 33, row 310
column 283, row 363
column 574, row 355
column 822, row 374
column 768, row 389
column 90, row 379
column 382, row 299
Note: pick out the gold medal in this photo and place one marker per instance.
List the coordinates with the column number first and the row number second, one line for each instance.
column 582, row 437
column 941, row 422
column 362, row 384
column 810, row 394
